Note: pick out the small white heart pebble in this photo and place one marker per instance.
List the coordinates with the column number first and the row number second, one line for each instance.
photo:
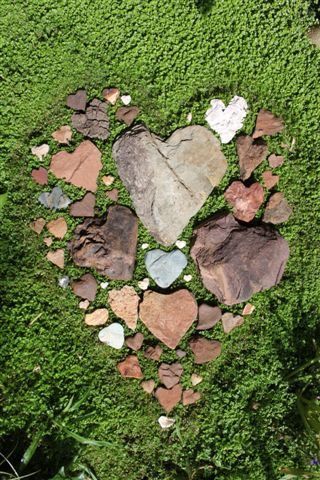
column 113, row 335
column 181, row 244
column 166, row 422
column 187, row 278
column 144, row 284
column 104, row 285
column 40, row 151
column 189, row 117
column 144, row 246
column 126, row 99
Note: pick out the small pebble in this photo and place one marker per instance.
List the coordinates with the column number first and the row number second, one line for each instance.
column 148, row 386
column 189, row 117
column 144, row 246
column 166, row 422
column 181, row 353
column 144, row 284
column 40, row 151
column 104, row 285
column 48, row 241
column 196, row 379
column 64, row 281
column 108, row 180
column 84, row 304
column 181, row 244
column 126, row 99
column 248, row 309
column 187, row 278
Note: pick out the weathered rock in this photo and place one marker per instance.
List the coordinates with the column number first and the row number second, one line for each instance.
column 246, row 201
column 40, row 151
column 148, row 386
column 55, row 200
column 58, row 227
column 196, row 379
column 248, row 309
column 135, row 342
column 170, row 375
column 153, row 353
column 109, row 245
column 251, row 153
column 314, row 36
column 63, row 135
column 277, row 210
column 113, row 194
column 124, row 303
column 130, row 367
column 40, row 175
column 48, row 241
column 204, row 350
column 96, row 318
column 56, row 257
column 230, row 322
column 84, row 207
column 227, row 120
column 165, row 267
column 38, row 225
column 127, row 114
column 94, row 123
column 81, row 168
column 168, row 399
column 86, row 287
column 180, row 353
column 112, row 335
column 208, row 316
column 190, row 163
column 236, row 261
column 111, row 95
column 166, row 422
column 190, row 396
column 269, row 179
column 275, row 160
column 267, row 124
column 78, row 100
column 170, row 316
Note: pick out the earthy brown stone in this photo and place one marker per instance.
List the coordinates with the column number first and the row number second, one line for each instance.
column 84, row 207
column 56, row 257
column 246, row 201
column 96, row 318
column 208, row 316
column 230, row 322
column 109, row 245
column 170, row 375
column 94, row 123
column 204, row 350
column 251, row 153
column 130, row 367
column 277, row 210
column 236, row 261
column 275, row 160
column 190, row 396
column 269, row 179
column 124, row 303
column 63, row 135
column 40, row 175
column 267, row 124
column 78, row 100
column 86, row 287
column 153, row 353
column 127, row 114
column 58, row 227
column 168, row 399
column 180, row 353
column 169, row 316
column 135, row 342
column 81, row 168
column 48, row 241
column 111, row 95
column 113, row 194
column 38, row 225
column 148, row 386
column 248, row 309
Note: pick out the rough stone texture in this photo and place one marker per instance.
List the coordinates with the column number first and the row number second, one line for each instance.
column 86, row 287
column 165, row 267
column 230, row 322
column 267, row 124
column 94, row 123
column 84, row 207
column 40, row 175
column 109, row 245
column 168, row 399
column 170, row 316
column 135, row 342
column 111, row 95
column 269, row 179
column 236, row 261
column 246, row 201
column 96, row 318
column 63, row 135
column 189, row 164
column 124, row 303
column 190, row 396
column 314, row 36
column 208, row 316
column 153, row 353
column 55, row 200
column 127, row 114
column 81, row 168
column 275, row 160
column 113, row 194
column 148, row 386
column 78, row 100
column 130, row 367
column 58, row 227
column 248, row 309
column 204, row 350
column 170, row 375
column 56, row 257
column 277, row 210
column 38, row 225
column 251, row 153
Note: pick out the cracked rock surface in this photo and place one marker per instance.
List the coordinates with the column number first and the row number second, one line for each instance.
column 170, row 180
column 94, row 122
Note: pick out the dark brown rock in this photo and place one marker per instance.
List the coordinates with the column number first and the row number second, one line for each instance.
column 85, row 287
column 135, row 341
column 208, row 316
column 127, row 114
column 246, row 201
column 94, row 123
column 40, row 175
column 168, row 399
column 267, row 124
column 170, row 375
column 84, row 207
column 153, row 353
column 109, row 245
column 236, row 261
column 277, row 210
column 78, row 100
column 204, row 350
column 130, row 367
column 251, row 153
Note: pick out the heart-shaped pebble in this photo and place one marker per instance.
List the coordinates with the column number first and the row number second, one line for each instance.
column 144, row 246
column 187, row 278
column 40, row 151
column 144, row 284
column 246, row 201
column 227, row 120
column 166, row 422
column 165, row 267
column 104, row 285
column 113, row 335
column 181, row 244
column 126, row 99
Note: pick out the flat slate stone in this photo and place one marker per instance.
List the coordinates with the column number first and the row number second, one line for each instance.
column 77, row 100
column 277, row 210
column 55, row 200
column 108, row 245
column 165, row 267
column 170, row 180
column 251, row 153
column 208, row 316
column 86, row 287
column 84, row 207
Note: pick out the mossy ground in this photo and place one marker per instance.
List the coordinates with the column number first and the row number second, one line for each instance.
column 172, row 57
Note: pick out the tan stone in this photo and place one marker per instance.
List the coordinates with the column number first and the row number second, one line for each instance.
column 38, row 225
column 56, row 257
column 190, row 396
column 124, row 303
column 58, row 228
column 148, row 386
column 230, row 322
column 98, row 317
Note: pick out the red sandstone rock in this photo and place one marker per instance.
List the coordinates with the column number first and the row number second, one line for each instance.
column 130, row 367
column 267, row 124
column 230, row 322
column 168, row 399
column 190, row 396
column 204, row 350
column 153, row 353
column 245, row 200
column 58, row 227
column 170, row 375
column 269, row 179
column 135, row 342
column 208, row 316
column 86, row 287
column 84, row 207
column 251, row 153
column 124, row 303
column 277, row 210
column 40, row 175
column 127, row 114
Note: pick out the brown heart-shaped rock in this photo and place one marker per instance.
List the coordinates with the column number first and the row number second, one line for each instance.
column 245, row 200
column 168, row 399
column 170, row 316
column 78, row 100
column 251, row 153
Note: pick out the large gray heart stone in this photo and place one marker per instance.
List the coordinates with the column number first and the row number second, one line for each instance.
column 170, row 180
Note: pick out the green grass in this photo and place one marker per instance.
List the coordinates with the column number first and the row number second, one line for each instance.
column 172, row 57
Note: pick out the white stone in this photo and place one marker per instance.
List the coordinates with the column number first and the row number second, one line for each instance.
column 187, row 278
column 40, row 151
column 226, row 121
column 196, row 379
column 144, row 284
column 126, row 99
column 181, row 244
column 113, row 335
column 144, row 246
column 166, row 422
column 104, row 285
column 189, row 117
